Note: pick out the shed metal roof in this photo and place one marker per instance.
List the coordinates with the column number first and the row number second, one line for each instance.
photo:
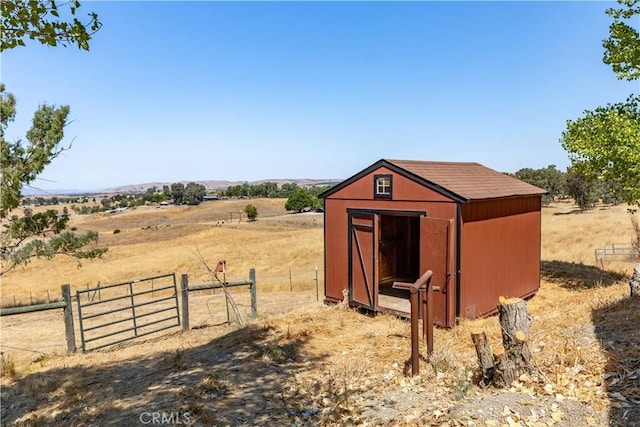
column 464, row 181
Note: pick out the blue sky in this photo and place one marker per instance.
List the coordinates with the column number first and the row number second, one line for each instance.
column 174, row 91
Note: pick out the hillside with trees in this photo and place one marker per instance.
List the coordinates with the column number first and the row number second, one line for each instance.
column 572, row 185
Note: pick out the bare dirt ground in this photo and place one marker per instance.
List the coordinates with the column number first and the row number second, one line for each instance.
column 317, row 365
column 303, row 363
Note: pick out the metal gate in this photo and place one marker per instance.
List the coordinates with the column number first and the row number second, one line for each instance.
column 113, row 314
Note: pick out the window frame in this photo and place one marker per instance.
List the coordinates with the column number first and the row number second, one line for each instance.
column 377, row 194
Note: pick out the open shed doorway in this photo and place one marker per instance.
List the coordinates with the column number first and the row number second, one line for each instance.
column 398, row 259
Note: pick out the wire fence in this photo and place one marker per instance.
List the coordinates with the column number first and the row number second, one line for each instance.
column 39, row 297
column 31, row 336
column 278, row 292
column 617, row 252
column 280, row 281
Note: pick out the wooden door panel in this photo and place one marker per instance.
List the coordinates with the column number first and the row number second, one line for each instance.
column 362, row 255
column 436, row 254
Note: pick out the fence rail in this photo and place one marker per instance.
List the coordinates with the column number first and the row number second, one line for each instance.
column 65, row 305
column 8, row 311
column 111, row 314
column 617, row 252
column 160, row 313
column 186, row 288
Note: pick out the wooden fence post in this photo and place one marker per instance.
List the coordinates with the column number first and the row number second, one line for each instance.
column 317, row 293
column 70, row 333
column 184, row 284
column 254, row 302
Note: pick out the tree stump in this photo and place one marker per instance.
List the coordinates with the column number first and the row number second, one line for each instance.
column 515, row 323
column 505, row 371
column 508, row 361
column 635, row 282
column 485, row 356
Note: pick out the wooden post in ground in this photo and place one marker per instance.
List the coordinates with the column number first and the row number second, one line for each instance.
column 427, row 312
column 254, row 299
column 184, row 285
column 69, row 331
column 414, row 288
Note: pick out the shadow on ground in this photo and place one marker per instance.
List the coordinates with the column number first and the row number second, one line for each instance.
column 617, row 326
column 571, row 212
column 237, row 379
column 575, row 276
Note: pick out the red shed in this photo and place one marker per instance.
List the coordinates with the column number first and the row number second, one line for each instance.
column 477, row 229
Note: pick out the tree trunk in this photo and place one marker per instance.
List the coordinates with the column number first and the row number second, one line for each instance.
column 506, row 371
column 508, row 361
column 515, row 323
column 485, row 356
column 635, row 282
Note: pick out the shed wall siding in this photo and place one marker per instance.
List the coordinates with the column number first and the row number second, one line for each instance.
column 500, row 253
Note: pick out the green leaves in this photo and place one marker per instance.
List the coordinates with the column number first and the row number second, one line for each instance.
column 39, row 235
column 300, row 200
column 251, row 211
column 622, row 48
column 41, row 20
column 43, row 235
column 20, row 164
column 604, row 145
column 194, row 192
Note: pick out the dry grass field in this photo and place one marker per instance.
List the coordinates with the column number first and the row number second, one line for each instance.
column 157, row 240
column 302, row 363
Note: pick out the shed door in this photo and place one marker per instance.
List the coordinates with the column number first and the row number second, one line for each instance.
column 436, row 254
column 363, row 289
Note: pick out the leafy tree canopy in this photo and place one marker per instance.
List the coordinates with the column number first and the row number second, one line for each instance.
column 251, row 211
column 42, row 234
column 549, row 178
column 300, row 200
column 622, row 47
column 47, row 21
column 194, row 192
column 604, row 145
column 177, row 192
column 20, row 164
column 581, row 190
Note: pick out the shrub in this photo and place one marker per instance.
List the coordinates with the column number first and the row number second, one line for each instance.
column 251, row 211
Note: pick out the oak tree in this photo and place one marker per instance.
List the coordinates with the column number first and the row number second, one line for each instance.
column 604, row 144
column 47, row 21
column 252, row 212
column 622, row 47
column 300, row 200
column 42, row 234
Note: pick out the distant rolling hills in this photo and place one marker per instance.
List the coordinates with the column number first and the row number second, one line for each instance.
column 210, row 185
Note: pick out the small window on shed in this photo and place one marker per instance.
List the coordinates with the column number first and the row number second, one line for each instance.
column 382, row 186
